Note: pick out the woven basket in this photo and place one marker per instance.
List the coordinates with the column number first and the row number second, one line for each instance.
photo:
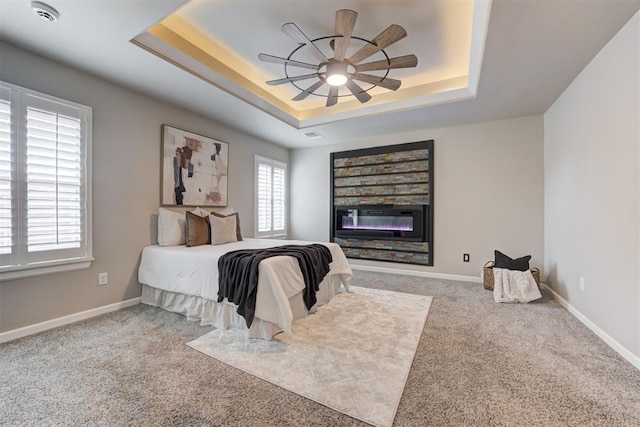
column 487, row 275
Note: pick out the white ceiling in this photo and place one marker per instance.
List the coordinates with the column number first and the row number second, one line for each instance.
column 533, row 50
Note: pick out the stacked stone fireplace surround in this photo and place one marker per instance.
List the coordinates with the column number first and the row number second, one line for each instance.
column 396, row 175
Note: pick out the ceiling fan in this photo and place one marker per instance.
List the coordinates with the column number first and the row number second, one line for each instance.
column 342, row 71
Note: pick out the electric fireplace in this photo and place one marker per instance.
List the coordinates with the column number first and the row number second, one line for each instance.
column 381, row 222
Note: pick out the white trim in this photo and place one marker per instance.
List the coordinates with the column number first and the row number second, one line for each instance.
column 48, row 267
column 418, row 273
column 272, row 163
column 65, row 320
column 480, row 28
column 619, row 348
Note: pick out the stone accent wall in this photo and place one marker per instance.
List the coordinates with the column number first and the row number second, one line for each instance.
column 392, row 175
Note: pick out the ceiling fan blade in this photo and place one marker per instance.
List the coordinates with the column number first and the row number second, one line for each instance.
column 357, row 91
column 308, row 91
column 333, row 96
column 386, row 83
column 299, row 37
column 291, row 79
column 407, row 61
column 345, row 21
column 389, row 36
column 277, row 60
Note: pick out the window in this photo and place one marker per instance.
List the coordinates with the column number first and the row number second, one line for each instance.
column 45, row 217
column 271, row 197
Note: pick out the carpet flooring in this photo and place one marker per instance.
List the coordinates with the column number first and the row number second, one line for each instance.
column 353, row 355
column 478, row 363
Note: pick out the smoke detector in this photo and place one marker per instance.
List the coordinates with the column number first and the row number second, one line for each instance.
column 45, row 11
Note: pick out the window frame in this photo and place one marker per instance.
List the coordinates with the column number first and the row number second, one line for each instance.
column 20, row 264
column 271, row 233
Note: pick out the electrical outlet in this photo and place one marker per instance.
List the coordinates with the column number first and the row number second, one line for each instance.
column 581, row 283
column 465, row 257
column 103, row 279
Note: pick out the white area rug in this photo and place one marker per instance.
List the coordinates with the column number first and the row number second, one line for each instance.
column 353, row 355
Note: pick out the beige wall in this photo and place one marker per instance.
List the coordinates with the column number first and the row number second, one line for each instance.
column 126, row 174
column 488, row 190
column 592, row 191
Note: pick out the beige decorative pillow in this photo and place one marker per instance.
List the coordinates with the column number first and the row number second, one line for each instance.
column 223, row 230
column 197, row 230
column 235, row 214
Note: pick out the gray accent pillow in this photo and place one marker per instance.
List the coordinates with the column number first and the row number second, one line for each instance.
column 505, row 261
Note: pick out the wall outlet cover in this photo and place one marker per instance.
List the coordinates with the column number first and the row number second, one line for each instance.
column 103, row 279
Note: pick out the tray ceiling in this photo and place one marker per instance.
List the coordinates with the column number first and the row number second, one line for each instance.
column 447, row 37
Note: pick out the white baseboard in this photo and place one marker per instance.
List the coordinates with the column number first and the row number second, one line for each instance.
column 64, row 320
column 418, row 273
column 619, row 348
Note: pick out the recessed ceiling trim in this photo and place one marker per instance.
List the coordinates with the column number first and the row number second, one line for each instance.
column 179, row 58
column 205, row 58
column 481, row 14
column 443, row 92
column 174, row 41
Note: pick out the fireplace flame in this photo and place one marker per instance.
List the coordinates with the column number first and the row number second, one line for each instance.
column 383, row 227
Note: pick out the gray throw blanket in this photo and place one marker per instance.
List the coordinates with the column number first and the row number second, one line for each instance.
column 238, row 274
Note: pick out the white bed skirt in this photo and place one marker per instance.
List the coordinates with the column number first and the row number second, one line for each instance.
column 224, row 315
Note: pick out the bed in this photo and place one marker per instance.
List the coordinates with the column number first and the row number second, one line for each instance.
column 184, row 280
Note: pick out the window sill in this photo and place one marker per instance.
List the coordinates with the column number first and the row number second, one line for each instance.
column 32, row 271
column 279, row 236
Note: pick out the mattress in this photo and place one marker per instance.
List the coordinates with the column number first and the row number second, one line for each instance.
column 192, row 272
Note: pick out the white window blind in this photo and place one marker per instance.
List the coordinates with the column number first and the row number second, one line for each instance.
column 6, row 187
column 270, row 193
column 44, row 182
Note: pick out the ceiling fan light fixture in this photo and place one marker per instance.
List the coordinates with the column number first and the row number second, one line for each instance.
column 342, row 72
column 336, row 79
column 336, row 73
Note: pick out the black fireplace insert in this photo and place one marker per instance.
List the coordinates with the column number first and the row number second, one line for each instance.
column 382, row 222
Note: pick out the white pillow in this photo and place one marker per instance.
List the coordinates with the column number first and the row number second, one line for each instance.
column 172, row 227
column 223, row 230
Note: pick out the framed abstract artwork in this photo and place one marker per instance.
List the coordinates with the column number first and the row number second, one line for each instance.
column 194, row 169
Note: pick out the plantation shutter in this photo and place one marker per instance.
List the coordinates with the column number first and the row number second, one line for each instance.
column 44, row 183
column 6, row 173
column 278, row 198
column 54, row 177
column 265, row 190
column 271, row 181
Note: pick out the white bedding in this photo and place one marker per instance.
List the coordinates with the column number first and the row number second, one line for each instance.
column 193, row 272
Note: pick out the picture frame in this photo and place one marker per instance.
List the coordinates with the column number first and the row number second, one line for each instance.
column 194, row 169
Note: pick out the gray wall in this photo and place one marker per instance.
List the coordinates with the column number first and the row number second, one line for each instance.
column 592, row 217
column 488, row 190
column 126, row 176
